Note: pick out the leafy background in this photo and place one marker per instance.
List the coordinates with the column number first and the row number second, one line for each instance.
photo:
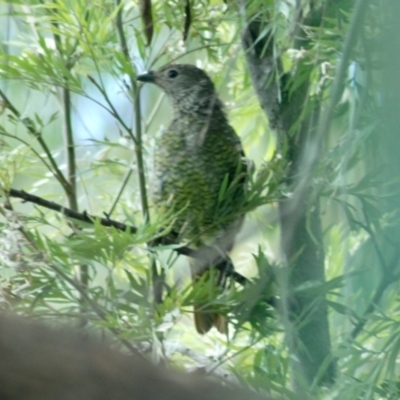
column 71, row 107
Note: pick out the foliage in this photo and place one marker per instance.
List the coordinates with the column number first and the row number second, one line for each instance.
column 68, row 82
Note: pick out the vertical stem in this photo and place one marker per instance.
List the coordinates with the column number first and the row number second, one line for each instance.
column 156, row 277
column 70, row 150
column 139, row 157
column 138, row 124
column 305, row 316
column 71, row 173
column 70, row 159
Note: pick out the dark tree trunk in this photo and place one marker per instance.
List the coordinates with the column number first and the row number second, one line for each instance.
column 307, row 328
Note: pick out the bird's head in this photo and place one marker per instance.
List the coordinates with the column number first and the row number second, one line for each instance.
column 189, row 87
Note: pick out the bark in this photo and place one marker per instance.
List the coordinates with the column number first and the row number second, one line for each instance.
column 307, row 328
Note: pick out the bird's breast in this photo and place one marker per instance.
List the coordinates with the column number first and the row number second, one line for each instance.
column 189, row 176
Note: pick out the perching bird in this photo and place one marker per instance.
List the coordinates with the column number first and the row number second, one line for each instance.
column 200, row 172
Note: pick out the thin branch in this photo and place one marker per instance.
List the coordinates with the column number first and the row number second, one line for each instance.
column 28, row 145
column 264, row 67
column 30, row 126
column 138, row 124
column 120, row 191
column 139, row 160
column 112, row 110
column 75, row 284
column 70, row 150
column 71, row 176
column 68, row 212
column 82, row 290
column 69, row 144
column 206, row 254
column 156, row 277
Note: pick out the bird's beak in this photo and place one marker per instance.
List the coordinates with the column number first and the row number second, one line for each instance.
column 146, row 77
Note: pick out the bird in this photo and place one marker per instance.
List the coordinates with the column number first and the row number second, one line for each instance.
column 200, row 172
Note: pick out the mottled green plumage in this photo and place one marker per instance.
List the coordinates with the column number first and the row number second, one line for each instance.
column 190, row 171
column 196, row 153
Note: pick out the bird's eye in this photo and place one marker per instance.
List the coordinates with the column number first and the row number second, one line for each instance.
column 172, row 73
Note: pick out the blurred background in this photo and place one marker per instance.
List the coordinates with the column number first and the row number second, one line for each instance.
column 76, row 129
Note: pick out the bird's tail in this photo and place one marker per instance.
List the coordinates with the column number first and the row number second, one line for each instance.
column 204, row 321
column 213, row 279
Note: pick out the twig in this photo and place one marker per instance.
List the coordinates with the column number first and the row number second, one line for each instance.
column 70, row 146
column 139, row 160
column 84, row 217
column 206, row 253
column 138, row 124
column 70, row 150
column 157, row 278
column 82, row 290
column 120, row 191
column 75, row 284
column 30, row 126
column 112, row 110
column 29, row 146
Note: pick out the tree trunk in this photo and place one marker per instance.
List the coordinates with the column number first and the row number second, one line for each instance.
column 304, row 315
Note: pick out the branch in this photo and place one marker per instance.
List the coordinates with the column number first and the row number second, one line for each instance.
column 158, row 279
column 30, row 126
column 138, row 123
column 98, row 310
column 207, row 254
column 265, row 68
column 82, row 290
column 69, row 148
column 69, row 140
column 112, row 109
column 284, row 98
